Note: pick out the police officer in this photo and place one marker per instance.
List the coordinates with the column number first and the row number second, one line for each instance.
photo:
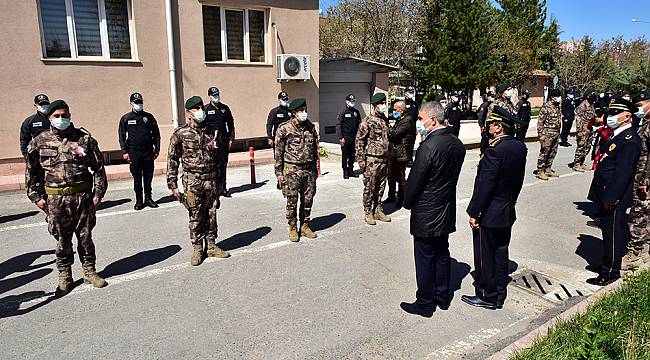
column 139, row 138
column 296, row 167
column 372, row 151
column 199, row 149
column 219, row 117
column 347, row 125
column 411, row 103
column 548, row 132
column 523, row 113
column 277, row 116
column 612, row 188
column 568, row 116
column 35, row 124
column 481, row 115
column 453, row 113
column 59, row 182
column 499, row 179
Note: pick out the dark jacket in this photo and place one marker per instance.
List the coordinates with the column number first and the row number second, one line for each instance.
column 31, row 128
column 219, row 117
column 568, row 109
column 453, row 114
column 401, row 137
column 431, row 186
column 347, row 124
column 277, row 116
column 499, row 179
column 138, row 131
column 523, row 110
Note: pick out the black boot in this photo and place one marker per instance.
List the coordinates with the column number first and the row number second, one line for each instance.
column 148, row 201
column 138, row 202
column 346, row 174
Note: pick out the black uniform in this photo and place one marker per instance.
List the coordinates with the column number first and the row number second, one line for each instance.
column 32, row 126
column 411, row 107
column 219, row 117
column 453, row 117
column 499, row 180
column 140, row 138
column 277, row 116
column 612, row 186
column 523, row 112
column 481, row 114
column 568, row 116
column 347, row 125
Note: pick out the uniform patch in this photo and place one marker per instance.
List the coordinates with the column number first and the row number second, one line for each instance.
column 132, row 122
column 628, row 137
column 145, row 119
column 280, row 115
column 348, row 115
column 211, row 112
column 612, row 147
column 223, row 111
column 37, row 124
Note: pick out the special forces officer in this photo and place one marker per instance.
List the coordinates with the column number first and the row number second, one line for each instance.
column 523, row 113
column 372, row 150
column 296, row 167
column 612, row 188
column 59, row 182
column 140, row 142
column 277, row 116
column 35, row 124
column 453, row 113
column 548, row 132
column 585, row 114
column 219, row 117
column 347, row 125
column 568, row 116
column 199, row 149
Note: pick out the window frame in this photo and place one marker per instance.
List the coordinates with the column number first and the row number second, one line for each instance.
column 103, row 32
column 224, row 37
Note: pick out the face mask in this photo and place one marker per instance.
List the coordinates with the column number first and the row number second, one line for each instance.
column 350, row 104
column 641, row 113
column 421, row 129
column 612, row 122
column 508, row 94
column 396, row 114
column 570, row 96
column 284, row 103
column 557, row 100
column 199, row 115
column 454, row 99
column 381, row 108
column 215, row 99
column 302, row 116
column 42, row 108
column 60, row 123
column 138, row 107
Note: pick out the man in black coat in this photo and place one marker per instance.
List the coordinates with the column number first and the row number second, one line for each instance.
column 219, row 117
column 277, row 116
column 347, row 125
column 612, row 188
column 400, row 136
column 35, row 124
column 568, row 116
column 499, row 180
column 454, row 113
column 431, row 197
column 523, row 112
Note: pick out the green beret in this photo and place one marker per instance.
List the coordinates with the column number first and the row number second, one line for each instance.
column 439, row 98
column 555, row 92
column 377, row 98
column 297, row 103
column 57, row 105
column 503, row 87
column 193, row 102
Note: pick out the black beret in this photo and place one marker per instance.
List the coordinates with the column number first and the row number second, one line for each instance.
column 193, row 102
column 57, row 105
column 350, row 97
column 213, row 91
column 283, row 95
column 503, row 87
column 501, row 114
column 41, row 99
column 377, row 98
column 642, row 96
column 570, row 91
column 297, row 103
column 555, row 92
column 619, row 105
column 135, row 97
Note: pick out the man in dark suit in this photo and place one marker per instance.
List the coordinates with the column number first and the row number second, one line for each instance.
column 499, row 180
column 431, row 197
column 401, row 137
column 612, row 188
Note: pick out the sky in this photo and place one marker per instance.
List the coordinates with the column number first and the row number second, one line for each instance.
column 600, row 19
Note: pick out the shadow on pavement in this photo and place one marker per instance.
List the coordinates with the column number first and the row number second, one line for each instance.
column 166, row 199
column 244, row 239
column 458, row 272
column 112, row 203
column 10, row 305
column 247, row 187
column 139, row 261
column 21, row 280
column 588, row 208
column 390, row 207
column 23, row 262
column 8, row 218
column 590, row 249
column 326, row 222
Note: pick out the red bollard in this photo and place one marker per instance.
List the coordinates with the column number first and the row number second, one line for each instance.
column 251, row 154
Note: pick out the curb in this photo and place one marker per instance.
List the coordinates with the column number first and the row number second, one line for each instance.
column 527, row 340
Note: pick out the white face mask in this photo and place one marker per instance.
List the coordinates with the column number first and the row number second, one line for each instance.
column 215, row 99
column 138, row 107
column 284, row 103
column 612, row 122
column 302, row 116
column 570, row 96
column 421, row 129
column 381, row 108
column 508, row 94
column 557, row 100
column 42, row 108
column 350, row 104
column 641, row 113
column 198, row 115
column 60, row 123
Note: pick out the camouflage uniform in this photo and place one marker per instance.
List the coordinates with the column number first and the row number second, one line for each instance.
column 504, row 103
column 548, row 128
column 373, row 147
column 200, row 152
column 639, row 219
column 584, row 114
column 57, row 171
column 296, row 158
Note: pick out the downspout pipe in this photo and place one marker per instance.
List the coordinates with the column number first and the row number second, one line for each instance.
column 172, row 62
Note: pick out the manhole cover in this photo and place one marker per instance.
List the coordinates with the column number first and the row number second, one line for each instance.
column 547, row 287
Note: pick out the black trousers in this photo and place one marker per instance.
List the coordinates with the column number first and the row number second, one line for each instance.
column 520, row 131
column 616, row 235
column 491, row 263
column 141, row 166
column 432, row 270
column 455, row 128
column 347, row 154
column 226, row 152
column 396, row 176
column 566, row 129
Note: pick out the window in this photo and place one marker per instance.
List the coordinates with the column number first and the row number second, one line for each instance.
column 237, row 35
column 86, row 29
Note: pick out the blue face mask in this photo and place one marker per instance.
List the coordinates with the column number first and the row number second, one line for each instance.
column 419, row 126
column 396, row 115
column 60, row 123
column 612, row 122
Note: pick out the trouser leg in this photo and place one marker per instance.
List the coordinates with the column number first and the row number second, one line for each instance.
column 639, row 224
column 61, row 225
column 135, row 166
column 85, row 222
column 147, row 177
column 292, row 192
column 308, row 191
column 616, row 234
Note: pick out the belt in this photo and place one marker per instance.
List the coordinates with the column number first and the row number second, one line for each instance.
column 70, row 190
column 207, row 176
column 306, row 166
column 140, row 147
column 377, row 157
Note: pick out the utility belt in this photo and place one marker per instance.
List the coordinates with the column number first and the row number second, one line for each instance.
column 381, row 159
column 203, row 177
column 70, row 190
column 140, row 147
column 307, row 166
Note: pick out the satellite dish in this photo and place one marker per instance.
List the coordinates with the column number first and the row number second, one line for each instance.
column 555, row 80
column 292, row 66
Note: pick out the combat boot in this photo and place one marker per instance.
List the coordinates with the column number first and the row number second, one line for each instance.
column 65, row 282
column 197, row 255
column 578, row 168
column 379, row 215
column 91, row 277
column 631, row 261
column 370, row 220
column 551, row 173
column 306, row 231
column 215, row 251
column 293, row 232
column 346, row 174
column 541, row 174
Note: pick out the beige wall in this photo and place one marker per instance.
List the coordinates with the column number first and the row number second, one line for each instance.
column 98, row 91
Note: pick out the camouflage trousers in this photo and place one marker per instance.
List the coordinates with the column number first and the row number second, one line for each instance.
column 300, row 183
column 202, row 202
column 583, row 138
column 72, row 215
column 639, row 222
column 548, row 150
column 374, row 182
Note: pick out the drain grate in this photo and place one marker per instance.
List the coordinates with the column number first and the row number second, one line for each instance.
column 547, row 287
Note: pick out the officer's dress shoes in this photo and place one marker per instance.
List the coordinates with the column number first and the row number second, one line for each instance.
column 478, row 302
column 417, row 309
column 150, row 203
column 138, row 205
column 226, row 193
column 602, row 280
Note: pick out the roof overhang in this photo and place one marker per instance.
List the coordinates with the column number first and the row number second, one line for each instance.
column 372, row 66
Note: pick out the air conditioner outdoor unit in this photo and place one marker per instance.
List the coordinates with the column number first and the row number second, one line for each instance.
column 293, row 67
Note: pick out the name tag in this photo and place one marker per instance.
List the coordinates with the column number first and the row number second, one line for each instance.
column 211, row 112
column 132, row 122
column 524, row 104
column 37, row 124
column 348, row 115
column 280, row 115
column 408, row 106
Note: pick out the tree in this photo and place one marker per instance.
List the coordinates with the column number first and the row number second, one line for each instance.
column 581, row 67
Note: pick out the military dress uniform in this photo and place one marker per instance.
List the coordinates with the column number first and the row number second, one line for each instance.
column 347, row 125
column 523, row 113
column 139, row 137
column 548, row 131
column 277, row 116
column 296, row 159
column 35, row 124
column 199, row 149
column 612, row 190
column 372, row 147
column 585, row 113
column 219, row 117
column 502, row 102
column 59, row 164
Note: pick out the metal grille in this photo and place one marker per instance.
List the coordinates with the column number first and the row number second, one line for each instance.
column 547, row 287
